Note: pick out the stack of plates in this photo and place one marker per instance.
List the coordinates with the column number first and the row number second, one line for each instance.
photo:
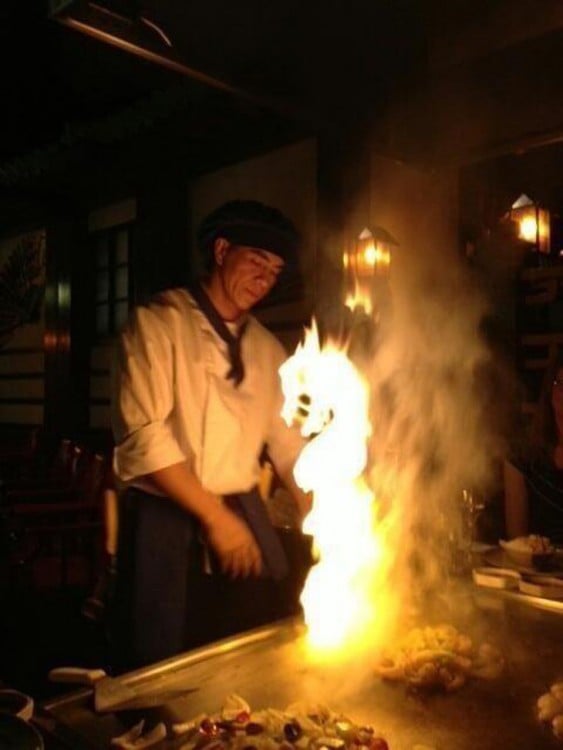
column 496, row 578
column 545, row 586
column 524, row 580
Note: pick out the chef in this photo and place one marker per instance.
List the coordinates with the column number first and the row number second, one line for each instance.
column 197, row 398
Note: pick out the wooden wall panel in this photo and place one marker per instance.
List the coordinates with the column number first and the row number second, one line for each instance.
column 101, row 356
column 21, row 388
column 100, row 387
column 99, row 417
column 21, row 414
column 28, row 361
column 22, row 360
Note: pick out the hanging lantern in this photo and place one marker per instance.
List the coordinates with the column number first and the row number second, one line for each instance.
column 368, row 259
column 533, row 223
column 371, row 254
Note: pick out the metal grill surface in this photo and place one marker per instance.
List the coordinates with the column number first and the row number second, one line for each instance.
column 269, row 668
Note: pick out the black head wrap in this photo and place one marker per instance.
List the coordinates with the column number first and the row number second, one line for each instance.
column 249, row 223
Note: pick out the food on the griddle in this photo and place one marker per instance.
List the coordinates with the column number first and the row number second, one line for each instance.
column 550, row 708
column 300, row 727
column 134, row 739
column 557, row 726
column 557, row 690
column 439, row 658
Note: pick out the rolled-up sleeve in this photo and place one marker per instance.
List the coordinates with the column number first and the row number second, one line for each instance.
column 144, row 398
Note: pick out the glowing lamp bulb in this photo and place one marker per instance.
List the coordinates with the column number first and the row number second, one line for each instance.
column 528, row 229
column 370, row 255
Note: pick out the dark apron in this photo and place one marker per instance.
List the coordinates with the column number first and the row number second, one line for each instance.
column 157, row 549
column 164, row 601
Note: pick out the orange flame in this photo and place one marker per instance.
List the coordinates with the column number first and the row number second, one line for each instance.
column 329, row 397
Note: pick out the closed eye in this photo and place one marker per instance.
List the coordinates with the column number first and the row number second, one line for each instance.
column 266, row 266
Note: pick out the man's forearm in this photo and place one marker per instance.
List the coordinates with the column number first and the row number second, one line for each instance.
column 179, row 483
column 516, row 508
column 231, row 539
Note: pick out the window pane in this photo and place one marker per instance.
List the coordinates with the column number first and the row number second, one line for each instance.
column 121, row 313
column 122, row 283
column 122, row 246
column 102, row 286
column 102, row 250
column 102, row 319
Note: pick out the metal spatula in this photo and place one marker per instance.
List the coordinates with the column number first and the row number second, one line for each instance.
column 112, row 693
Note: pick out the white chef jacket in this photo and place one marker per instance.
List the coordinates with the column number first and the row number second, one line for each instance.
column 174, row 403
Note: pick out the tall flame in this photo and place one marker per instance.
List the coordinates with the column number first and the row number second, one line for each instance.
column 328, row 396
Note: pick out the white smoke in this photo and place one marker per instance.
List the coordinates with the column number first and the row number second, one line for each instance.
column 435, row 431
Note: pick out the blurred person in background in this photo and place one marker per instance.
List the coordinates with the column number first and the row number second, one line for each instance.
column 534, row 483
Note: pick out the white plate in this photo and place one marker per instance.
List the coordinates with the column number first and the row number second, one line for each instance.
column 496, row 578
column 546, row 587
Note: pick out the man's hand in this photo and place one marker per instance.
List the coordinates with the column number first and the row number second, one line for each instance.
column 238, row 553
column 230, row 537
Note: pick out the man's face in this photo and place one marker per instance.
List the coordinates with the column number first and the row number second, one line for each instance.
column 248, row 274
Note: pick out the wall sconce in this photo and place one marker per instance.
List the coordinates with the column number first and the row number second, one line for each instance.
column 533, row 223
column 368, row 259
column 371, row 254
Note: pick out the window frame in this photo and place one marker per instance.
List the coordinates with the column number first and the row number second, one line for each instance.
column 112, row 267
